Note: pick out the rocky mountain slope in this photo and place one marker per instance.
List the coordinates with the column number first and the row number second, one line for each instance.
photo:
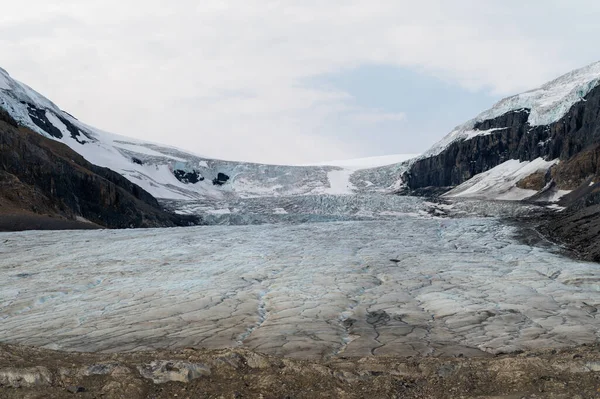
column 45, row 184
column 556, row 121
column 542, row 145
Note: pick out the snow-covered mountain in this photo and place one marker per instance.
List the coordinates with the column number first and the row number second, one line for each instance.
column 169, row 173
column 517, row 149
column 545, row 105
column 540, row 127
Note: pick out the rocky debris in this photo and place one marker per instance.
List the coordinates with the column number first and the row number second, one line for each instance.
column 593, row 366
column 27, row 377
column 164, row 371
column 579, row 170
column 561, row 373
column 536, row 181
column 75, row 389
column 221, row 179
column 577, row 227
column 102, row 369
column 257, row 361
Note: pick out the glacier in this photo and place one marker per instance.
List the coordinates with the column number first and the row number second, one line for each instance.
column 401, row 282
column 306, row 261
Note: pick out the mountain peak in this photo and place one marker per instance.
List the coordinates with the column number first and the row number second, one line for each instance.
column 546, row 104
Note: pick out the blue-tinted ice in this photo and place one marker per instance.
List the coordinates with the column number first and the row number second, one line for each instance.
column 404, row 284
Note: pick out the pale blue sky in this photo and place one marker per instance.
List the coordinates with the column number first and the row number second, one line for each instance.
column 291, row 81
column 431, row 106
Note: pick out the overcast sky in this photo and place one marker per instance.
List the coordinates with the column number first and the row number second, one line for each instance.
column 293, row 81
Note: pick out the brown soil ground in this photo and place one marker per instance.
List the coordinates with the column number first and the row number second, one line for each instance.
column 236, row 373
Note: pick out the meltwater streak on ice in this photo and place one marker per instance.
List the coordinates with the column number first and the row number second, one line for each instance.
column 313, row 290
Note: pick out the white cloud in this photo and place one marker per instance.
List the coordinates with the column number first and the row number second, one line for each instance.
column 223, row 78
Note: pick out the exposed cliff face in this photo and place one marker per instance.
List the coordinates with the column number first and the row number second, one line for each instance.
column 510, row 137
column 41, row 176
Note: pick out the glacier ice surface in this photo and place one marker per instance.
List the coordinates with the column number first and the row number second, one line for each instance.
column 402, row 283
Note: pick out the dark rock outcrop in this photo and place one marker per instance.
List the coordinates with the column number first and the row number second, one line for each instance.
column 221, row 179
column 6, row 118
column 39, row 117
column 186, row 177
column 42, row 176
column 75, row 132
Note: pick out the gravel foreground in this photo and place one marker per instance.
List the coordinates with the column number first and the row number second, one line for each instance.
column 236, row 373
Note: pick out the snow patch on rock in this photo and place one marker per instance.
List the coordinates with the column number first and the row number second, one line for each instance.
column 500, row 183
